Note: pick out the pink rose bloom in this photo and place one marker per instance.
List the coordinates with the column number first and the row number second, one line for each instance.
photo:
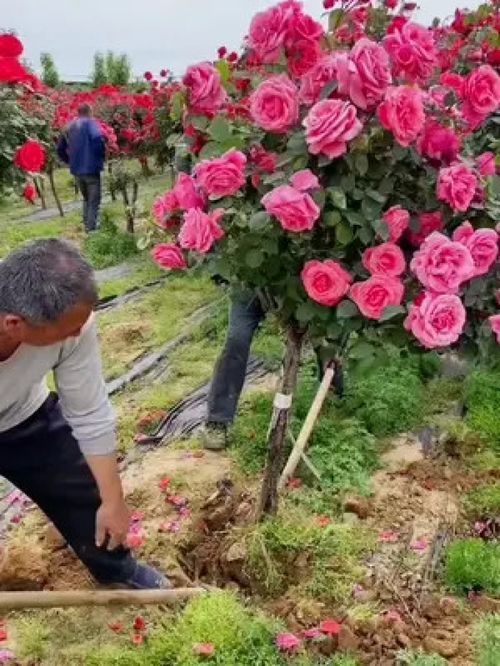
column 296, row 211
column 267, row 33
column 442, row 265
column 397, row 219
column 386, row 259
column 364, row 75
column 457, row 187
column 287, row 642
column 495, row 326
column 168, row 255
column 303, row 27
column 413, row 52
column 376, row 294
column 439, row 144
column 200, row 230
column 264, row 160
column 402, row 112
column 222, row 176
column 454, row 82
column 186, row 193
column 325, row 282
column 436, row 320
column 429, row 222
column 304, row 181
column 164, row 207
column 324, row 71
column 482, row 244
column 330, row 124
column 302, row 56
column 481, row 95
column 205, row 91
column 274, row 106
column 486, row 164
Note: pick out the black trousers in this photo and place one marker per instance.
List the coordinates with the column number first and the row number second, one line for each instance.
column 90, row 187
column 42, row 458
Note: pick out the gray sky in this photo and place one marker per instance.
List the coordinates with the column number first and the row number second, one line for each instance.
column 155, row 33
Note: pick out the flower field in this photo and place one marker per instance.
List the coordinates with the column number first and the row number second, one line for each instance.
column 345, row 167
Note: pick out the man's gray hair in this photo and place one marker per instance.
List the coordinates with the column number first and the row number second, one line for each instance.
column 43, row 279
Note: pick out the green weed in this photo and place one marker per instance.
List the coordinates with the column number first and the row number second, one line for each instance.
column 413, row 658
column 473, row 564
column 484, row 501
column 481, row 396
column 109, row 245
column 487, row 641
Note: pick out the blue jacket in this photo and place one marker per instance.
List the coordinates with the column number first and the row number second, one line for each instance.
column 83, row 147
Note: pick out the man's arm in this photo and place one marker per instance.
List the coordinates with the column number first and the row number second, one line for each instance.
column 85, row 405
column 98, row 140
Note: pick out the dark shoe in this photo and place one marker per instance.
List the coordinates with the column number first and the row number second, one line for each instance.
column 214, row 436
column 145, row 577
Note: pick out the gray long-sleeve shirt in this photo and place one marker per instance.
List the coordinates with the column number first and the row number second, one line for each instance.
column 76, row 363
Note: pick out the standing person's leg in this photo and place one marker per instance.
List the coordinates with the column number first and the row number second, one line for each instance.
column 94, row 190
column 82, row 186
column 230, row 370
column 42, row 458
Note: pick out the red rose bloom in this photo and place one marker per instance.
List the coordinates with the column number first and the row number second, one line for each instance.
column 148, row 76
column 10, row 46
column 30, row 156
column 11, row 71
column 29, row 193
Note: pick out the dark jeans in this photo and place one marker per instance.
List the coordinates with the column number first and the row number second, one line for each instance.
column 227, row 384
column 42, row 458
column 90, row 187
column 229, row 377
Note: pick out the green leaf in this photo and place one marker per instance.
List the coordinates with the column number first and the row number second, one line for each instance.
column 354, row 218
column 211, row 149
column 391, row 312
column 331, row 218
column 365, row 235
column 297, row 144
column 335, row 19
column 224, row 70
column 259, row 220
column 337, row 197
column 346, row 310
column 305, row 312
column 381, row 229
column 199, row 122
column 361, row 163
column 376, row 196
column 327, row 89
column 220, row 129
column 348, row 183
column 343, row 233
column 494, row 186
column 177, row 105
column 254, row 258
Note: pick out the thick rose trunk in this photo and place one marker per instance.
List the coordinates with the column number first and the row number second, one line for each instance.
column 279, row 426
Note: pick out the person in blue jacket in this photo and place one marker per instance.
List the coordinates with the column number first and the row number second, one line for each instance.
column 83, row 147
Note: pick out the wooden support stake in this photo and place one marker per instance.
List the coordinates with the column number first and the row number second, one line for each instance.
column 20, row 600
column 307, row 427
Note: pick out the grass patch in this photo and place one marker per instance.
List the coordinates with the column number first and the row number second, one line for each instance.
column 12, row 235
column 109, row 245
column 484, row 502
column 292, row 551
column 413, row 658
column 487, row 641
column 145, row 270
column 142, row 325
column 473, row 565
column 481, row 397
column 239, row 636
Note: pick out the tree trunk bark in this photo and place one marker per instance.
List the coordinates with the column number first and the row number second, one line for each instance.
column 54, row 192
column 112, row 189
column 279, row 426
column 41, row 192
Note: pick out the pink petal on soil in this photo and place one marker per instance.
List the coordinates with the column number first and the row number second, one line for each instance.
column 135, row 540
column 6, row 656
column 204, row 649
column 420, row 544
column 323, row 521
column 164, row 483
column 176, row 500
column 117, row 627
column 184, row 512
column 313, row 633
column 294, row 483
column 393, row 616
column 287, row 642
column 172, row 526
column 388, row 536
column 330, row 627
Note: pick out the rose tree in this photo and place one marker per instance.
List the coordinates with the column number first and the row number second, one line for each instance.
column 338, row 173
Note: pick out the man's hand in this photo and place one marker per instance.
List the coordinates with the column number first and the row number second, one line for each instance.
column 112, row 523
column 112, row 519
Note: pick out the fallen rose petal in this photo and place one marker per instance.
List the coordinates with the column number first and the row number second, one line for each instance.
column 330, row 627
column 135, row 540
column 137, row 639
column 323, row 521
column 117, row 627
column 164, row 483
column 172, row 526
column 287, row 642
column 184, row 512
column 392, row 616
column 204, row 649
column 313, row 633
column 139, row 623
column 388, row 537
column 137, row 516
column 6, row 656
column 3, row 635
column 176, row 500
column 420, row 544
column 294, row 483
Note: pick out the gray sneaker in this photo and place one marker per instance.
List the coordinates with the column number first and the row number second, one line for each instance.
column 214, row 436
